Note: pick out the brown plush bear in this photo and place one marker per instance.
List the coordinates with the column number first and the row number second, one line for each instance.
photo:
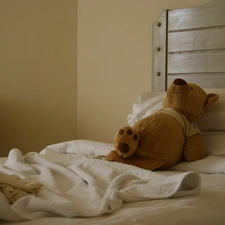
column 166, row 137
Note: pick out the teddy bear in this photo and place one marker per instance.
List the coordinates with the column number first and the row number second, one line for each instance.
column 168, row 136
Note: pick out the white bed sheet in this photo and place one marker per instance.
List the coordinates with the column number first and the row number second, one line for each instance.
column 207, row 207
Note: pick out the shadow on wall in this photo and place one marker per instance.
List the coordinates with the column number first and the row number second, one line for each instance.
column 31, row 127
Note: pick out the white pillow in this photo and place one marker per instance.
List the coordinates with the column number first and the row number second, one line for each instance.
column 147, row 103
column 214, row 142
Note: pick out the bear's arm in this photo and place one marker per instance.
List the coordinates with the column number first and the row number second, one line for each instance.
column 194, row 148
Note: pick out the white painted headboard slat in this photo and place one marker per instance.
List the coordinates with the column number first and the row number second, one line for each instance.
column 190, row 44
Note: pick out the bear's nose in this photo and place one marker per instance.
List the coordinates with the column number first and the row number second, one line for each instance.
column 123, row 147
column 179, row 81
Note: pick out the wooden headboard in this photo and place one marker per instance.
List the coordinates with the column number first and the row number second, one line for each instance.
column 190, row 44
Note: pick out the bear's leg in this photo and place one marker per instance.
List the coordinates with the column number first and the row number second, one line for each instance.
column 142, row 162
column 126, row 142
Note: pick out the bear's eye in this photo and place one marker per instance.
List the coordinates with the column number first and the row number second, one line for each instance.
column 191, row 88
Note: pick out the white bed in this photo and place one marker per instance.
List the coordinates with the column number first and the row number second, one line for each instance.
column 73, row 184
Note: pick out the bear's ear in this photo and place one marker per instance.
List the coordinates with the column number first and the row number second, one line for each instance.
column 211, row 99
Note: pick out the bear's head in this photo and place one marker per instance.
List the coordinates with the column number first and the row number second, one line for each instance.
column 189, row 99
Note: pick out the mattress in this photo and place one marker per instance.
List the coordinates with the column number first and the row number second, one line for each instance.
column 188, row 193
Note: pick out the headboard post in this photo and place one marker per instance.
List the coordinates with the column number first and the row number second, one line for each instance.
column 159, row 72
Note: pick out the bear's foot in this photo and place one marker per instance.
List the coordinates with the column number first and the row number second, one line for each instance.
column 113, row 156
column 126, row 142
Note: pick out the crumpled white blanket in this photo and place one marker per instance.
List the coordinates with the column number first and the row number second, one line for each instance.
column 79, row 186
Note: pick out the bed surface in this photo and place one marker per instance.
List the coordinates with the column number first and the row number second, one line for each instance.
column 79, row 187
column 205, row 198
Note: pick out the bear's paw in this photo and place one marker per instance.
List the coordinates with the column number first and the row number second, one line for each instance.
column 126, row 142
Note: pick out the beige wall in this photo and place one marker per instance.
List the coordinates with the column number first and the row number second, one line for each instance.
column 115, row 60
column 38, row 72
column 38, row 67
